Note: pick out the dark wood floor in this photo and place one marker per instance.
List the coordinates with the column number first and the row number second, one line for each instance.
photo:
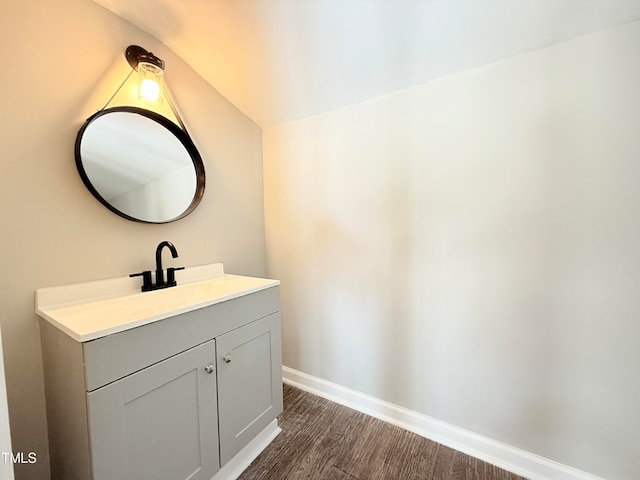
column 326, row 441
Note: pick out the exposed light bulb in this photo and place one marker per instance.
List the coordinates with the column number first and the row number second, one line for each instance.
column 149, row 90
column 151, row 80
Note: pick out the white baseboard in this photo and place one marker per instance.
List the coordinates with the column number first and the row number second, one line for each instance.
column 499, row 454
column 238, row 464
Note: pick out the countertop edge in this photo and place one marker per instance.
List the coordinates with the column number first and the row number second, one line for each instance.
column 150, row 319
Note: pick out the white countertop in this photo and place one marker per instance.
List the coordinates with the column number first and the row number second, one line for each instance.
column 91, row 310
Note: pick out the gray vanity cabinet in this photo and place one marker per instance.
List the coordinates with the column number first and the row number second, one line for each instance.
column 249, row 382
column 170, row 400
column 159, row 423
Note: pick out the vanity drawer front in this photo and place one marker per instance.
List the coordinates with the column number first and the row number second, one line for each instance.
column 115, row 356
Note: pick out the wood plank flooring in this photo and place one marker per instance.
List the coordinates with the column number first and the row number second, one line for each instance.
column 326, row 441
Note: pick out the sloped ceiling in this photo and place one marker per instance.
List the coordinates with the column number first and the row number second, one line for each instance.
column 281, row 60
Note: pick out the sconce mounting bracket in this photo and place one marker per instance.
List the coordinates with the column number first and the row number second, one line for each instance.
column 135, row 54
column 132, row 55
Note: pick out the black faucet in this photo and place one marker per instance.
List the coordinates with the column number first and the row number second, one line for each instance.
column 147, row 284
column 159, row 270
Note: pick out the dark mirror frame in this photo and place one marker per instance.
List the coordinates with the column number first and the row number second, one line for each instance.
column 179, row 133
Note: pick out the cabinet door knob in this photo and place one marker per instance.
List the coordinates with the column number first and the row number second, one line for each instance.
column 209, row 368
column 227, row 359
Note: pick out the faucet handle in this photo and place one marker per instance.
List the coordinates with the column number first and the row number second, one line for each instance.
column 147, row 284
column 171, row 276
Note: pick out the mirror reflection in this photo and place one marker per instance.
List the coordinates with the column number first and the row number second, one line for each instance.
column 140, row 165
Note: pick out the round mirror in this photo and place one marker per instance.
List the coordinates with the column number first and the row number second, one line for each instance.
column 140, row 165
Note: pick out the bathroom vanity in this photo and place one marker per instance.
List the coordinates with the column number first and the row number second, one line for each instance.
column 181, row 383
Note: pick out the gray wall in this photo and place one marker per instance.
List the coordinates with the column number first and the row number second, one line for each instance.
column 60, row 62
column 468, row 249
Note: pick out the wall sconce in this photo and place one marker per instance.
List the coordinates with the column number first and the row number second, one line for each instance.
column 150, row 73
column 152, row 88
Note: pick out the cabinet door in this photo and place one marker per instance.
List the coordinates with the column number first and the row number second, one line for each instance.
column 249, row 382
column 159, row 423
